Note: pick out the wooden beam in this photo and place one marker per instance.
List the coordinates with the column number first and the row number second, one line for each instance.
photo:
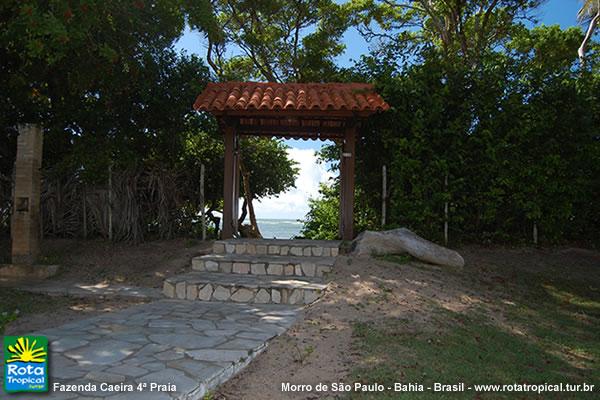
column 347, row 187
column 228, row 182
column 288, row 129
column 294, row 135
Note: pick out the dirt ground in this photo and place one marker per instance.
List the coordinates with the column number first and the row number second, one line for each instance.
column 319, row 348
column 60, row 310
column 100, row 261
column 96, row 261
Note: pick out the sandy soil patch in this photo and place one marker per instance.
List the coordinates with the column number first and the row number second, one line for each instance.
column 319, row 347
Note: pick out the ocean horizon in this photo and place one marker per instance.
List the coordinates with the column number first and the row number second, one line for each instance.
column 271, row 228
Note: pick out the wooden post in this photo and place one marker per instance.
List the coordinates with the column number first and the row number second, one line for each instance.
column 347, row 175
column 228, row 182
column 342, row 190
column 236, row 184
column 202, row 201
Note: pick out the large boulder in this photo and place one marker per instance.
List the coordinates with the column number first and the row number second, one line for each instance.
column 400, row 241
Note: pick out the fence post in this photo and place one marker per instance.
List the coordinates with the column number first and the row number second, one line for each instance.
column 84, row 212
column 202, row 201
column 383, row 195
column 110, row 222
column 446, row 211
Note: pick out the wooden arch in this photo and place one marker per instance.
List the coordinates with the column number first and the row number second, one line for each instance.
column 323, row 111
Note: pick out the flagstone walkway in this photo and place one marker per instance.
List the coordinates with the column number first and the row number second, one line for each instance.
column 107, row 290
column 192, row 346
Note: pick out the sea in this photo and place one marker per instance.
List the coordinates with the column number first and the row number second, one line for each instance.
column 279, row 228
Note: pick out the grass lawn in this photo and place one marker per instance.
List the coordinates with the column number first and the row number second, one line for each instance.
column 545, row 328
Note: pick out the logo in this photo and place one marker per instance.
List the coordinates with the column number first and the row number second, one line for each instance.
column 25, row 364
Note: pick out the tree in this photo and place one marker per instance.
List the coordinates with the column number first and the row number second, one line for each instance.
column 105, row 81
column 53, row 51
column 463, row 29
column 321, row 222
column 279, row 40
column 590, row 14
column 517, row 138
column 272, row 172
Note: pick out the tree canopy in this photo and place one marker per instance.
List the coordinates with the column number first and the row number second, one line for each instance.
column 112, row 94
column 497, row 137
column 492, row 134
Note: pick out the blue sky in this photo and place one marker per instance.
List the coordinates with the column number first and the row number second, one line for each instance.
column 293, row 204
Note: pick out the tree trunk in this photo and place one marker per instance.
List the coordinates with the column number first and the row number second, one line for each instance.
column 588, row 37
column 244, row 212
column 248, row 197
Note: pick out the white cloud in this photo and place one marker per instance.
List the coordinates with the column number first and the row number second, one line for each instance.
column 293, row 204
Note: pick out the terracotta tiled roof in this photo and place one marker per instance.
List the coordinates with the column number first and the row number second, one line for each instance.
column 229, row 96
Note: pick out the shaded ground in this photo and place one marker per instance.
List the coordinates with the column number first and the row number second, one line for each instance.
column 95, row 261
column 22, row 312
column 92, row 262
column 511, row 315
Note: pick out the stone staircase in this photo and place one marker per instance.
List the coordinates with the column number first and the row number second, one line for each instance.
column 257, row 271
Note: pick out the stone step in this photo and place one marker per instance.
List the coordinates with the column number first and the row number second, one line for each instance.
column 213, row 286
column 279, row 247
column 264, row 265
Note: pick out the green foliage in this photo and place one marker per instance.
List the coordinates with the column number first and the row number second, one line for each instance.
column 111, row 91
column 516, row 139
column 321, row 222
column 278, row 40
column 463, row 31
column 270, row 168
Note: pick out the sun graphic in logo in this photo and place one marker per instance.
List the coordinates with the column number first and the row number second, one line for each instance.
column 25, row 351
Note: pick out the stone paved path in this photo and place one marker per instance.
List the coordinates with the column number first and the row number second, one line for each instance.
column 192, row 345
column 91, row 290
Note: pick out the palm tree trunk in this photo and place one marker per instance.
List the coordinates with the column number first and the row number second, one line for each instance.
column 588, row 36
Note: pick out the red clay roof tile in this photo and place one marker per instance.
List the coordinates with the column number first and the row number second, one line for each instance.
column 289, row 96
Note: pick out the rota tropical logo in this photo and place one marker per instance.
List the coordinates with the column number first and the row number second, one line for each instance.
column 25, row 364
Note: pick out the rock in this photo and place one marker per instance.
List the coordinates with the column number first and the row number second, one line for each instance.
column 309, row 268
column 276, row 296
column 169, row 289
column 275, row 269
column 242, row 295
column 191, row 292
column 262, row 297
column 221, row 293
column 211, row 266
column 399, row 241
column 205, row 293
column 258, row 269
column 180, row 290
column 296, row 297
column 241, row 268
